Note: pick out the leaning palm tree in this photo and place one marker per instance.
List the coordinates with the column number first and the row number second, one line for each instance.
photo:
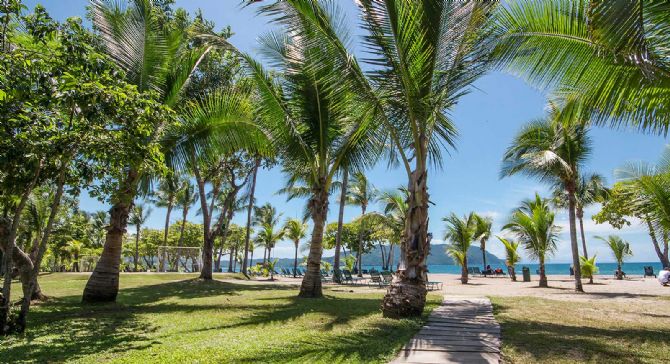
column 483, row 233
column 620, row 249
column 533, row 225
column 512, row 256
column 553, row 151
column 155, row 58
column 295, row 231
column 360, row 193
column 318, row 121
column 460, row 233
column 139, row 215
column 607, row 58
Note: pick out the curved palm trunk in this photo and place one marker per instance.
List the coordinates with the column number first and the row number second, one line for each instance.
column 318, row 206
column 340, row 220
column 662, row 255
column 103, row 285
column 245, row 263
column 543, row 275
column 295, row 259
column 573, row 238
column 406, row 295
column 360, row 243
column 464, row 271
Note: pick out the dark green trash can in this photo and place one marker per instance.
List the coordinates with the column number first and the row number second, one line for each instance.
column 526, row 274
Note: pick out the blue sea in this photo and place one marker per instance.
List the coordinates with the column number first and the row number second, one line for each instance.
column 632, row 268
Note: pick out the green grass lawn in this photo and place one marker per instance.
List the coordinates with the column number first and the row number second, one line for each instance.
column 170, row 318
column 604, row 331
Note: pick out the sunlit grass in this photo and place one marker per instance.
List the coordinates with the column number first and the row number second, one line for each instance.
column 177, row 318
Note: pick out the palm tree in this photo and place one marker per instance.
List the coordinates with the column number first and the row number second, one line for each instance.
column 589, row 267
column 533, row 225
column 395, row 211
column 461, row 233
column 266, row 219
column 483, row 233
column 590, row 190
column 360, row 193
column 340, row 220
column 74, row 249
column 511, row 254
column 154, row 58
column 318, row 122
column 620, row 249
column 99, row 224
column 553, row 151
column 138, row 217
column 295, row 231
column 165, row 197
column 607, row 58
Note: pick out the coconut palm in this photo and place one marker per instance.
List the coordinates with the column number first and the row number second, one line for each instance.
column 165, row 197
column 608, row 58
column 395, row 211
column 483, row 233
column 318, row 122
column 553, row 151
column 590, row 190
column 533, row 225
column 589, row 267
column 266, row 219
column 295, row 231
column 156, row 59
column 360, row 193
column 620, row 249
column 139, row 215
column 460, row 233
column 512, row 256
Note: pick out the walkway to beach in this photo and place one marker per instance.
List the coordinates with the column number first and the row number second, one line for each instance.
column 461, row 330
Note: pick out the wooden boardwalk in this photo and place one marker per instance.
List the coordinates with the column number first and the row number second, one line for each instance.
column 459, row 331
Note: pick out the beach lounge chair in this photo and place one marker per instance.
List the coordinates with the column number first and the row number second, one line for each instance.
column 475, row 270
column 297, row 272
column 376, row 279
column 348, row 277
column 337, row 276
column 433, row 285
column 325, row 278
column 649, row 272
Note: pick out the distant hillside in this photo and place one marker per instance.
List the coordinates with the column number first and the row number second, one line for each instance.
column 438, row 256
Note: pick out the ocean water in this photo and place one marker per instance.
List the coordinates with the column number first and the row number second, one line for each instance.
column 632, row 268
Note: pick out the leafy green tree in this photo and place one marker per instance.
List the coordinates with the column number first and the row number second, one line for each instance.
column 552, row 150
column 533, row 225
column 461, row 233
column 512, row 256
column 605, row 58
column 295, row 231
column 620, row 249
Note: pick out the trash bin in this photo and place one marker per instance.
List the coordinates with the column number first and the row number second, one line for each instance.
column 526, row 274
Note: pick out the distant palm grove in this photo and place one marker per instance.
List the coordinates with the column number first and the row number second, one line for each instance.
column 151, row 107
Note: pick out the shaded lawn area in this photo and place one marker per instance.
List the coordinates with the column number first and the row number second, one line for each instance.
column 165, row 318
column 603, row 331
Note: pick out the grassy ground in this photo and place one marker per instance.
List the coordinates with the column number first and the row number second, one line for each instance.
column 603, row 331
column 177, row 319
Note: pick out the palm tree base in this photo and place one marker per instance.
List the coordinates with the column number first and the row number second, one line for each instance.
column 101, row 287
column 311, row 286
column 404, row 298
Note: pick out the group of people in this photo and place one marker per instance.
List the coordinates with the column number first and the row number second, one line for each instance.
column 489, row 272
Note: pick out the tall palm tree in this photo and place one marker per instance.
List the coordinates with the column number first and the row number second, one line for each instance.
column 186, row 197
column 620, row 249
column 154, row 58
column 512, row 256
column 553, row 151
column 590, row 190
column 483, row 233
column 461, row 232
column 533, row 225
column 361, row 193
column 138, row 217
column 318, row 122
column 607, row 58
column 340, row 220
column 165, row 197
column 295, row 231
column 395, row 209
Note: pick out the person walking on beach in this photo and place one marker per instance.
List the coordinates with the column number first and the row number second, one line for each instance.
column 664, row 276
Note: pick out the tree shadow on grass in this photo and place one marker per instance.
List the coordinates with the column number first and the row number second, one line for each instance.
column 550, row 341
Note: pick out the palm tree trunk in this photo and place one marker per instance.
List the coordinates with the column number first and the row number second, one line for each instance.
column 383, row 251
column 543, row 275
column 360, row 242
column 181, row 236
column 406, row 296
column 136, row 258
column 483, row 246
column 619, row 273
column 230, row 261
column 245, row 264
column 464, row 270
column 573, row 237
column 580, row 215
column 318, row 207
column 167, row 222
column 103, row 285
column 295, row 259
column 340, row 219
column 662, row 255
column 390, row 257
column 513, row 274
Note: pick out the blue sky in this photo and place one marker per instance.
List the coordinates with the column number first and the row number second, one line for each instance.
column 487, row 119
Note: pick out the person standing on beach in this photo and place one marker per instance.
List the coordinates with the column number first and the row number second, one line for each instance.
column 664, row 276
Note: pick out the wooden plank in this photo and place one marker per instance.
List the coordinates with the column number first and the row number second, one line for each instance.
column 446, row 357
